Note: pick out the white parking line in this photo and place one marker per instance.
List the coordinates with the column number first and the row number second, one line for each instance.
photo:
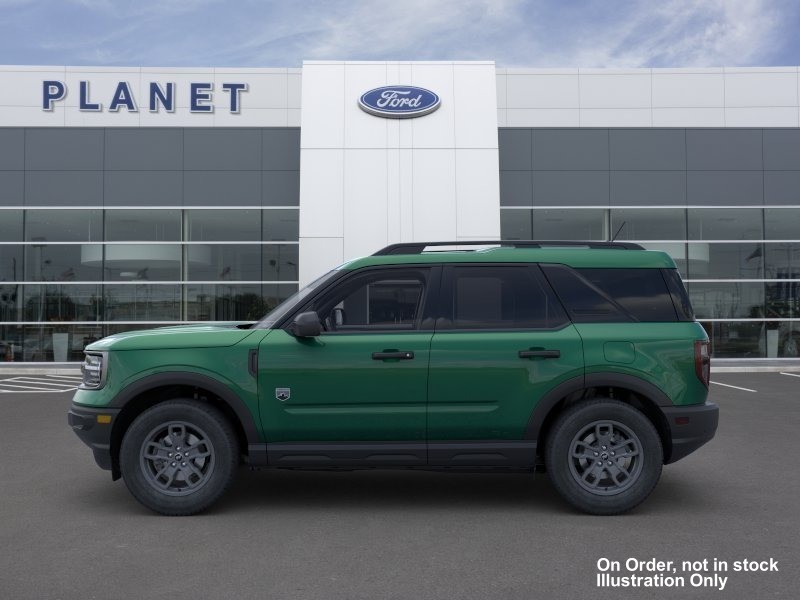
column 736, row 387
column 36, row 381
column 790, row 374
column 67, row 377
column 29, row 388
column 32, row 384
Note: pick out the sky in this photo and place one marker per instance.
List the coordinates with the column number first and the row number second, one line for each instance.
column 283, row 33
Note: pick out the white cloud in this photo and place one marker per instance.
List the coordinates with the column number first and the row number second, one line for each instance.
column 557, row 33
column 686, row 33
column 600, row 33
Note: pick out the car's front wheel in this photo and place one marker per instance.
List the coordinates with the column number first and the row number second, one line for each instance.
column 604, row 456
column 179, row 457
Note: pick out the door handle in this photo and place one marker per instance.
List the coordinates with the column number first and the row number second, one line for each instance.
column 393, row 354
column 540, row 353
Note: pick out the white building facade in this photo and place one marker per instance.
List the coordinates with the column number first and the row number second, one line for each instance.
column 138, row 197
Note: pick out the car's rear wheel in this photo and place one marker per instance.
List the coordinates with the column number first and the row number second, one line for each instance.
column 604, row 456
column 179, row 457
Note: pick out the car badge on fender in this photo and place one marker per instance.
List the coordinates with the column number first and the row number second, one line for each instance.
column 399, row 101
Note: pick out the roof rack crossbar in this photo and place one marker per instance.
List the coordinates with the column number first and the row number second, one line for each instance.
column 419, row 247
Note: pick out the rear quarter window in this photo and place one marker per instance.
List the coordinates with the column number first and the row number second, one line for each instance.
column 613, row 295
column 641, row 292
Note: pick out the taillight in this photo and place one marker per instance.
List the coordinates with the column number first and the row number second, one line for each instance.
column 702, row 361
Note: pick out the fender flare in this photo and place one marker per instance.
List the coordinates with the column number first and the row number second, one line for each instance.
column 234, row 402
column 570, row 386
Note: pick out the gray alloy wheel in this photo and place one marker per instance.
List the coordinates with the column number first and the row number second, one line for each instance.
column 178, row 457
column 603, row 456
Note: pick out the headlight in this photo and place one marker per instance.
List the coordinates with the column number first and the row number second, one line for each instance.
column 94, row 370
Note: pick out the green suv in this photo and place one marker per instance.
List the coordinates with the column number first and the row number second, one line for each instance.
column 581, row 358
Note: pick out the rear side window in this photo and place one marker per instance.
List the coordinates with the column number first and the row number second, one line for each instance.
column 610, row 295
column 500, row 297
column 680, row 298
column 585, row 302
column 641, row 292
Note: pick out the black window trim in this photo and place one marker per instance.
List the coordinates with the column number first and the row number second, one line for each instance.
column 680, row 297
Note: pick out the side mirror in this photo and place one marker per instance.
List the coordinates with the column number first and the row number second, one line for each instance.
column 306, row 325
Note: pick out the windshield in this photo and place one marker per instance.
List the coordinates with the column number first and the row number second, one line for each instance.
column 280, row 311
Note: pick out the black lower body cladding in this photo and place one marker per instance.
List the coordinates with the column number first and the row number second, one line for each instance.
column 94, row 432
column 690, row 427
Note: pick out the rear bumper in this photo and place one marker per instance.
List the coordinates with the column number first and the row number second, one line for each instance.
column 97, row 436
column 690, row 427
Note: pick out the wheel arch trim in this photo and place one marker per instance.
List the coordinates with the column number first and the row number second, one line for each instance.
column 590, row 380
column 219, row 389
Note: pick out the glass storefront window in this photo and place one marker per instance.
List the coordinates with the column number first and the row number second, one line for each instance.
column 783, row 265
column 143, row 225
column 754, row 339
column 782, row 224
column 725, row 261
column 727, row 300
column 10, row 263
column 55, row 303
column 60, row 343
column 63, row 262
column 10, row 342
column 648, row 224
column 141, row 262
column 10, row 302
column 730, row 339
column 142, row 302
column 725, row 224
column 224, row 303
column 516, row 224
column 570, row 224
column 280, row 262
column 223, row 225
column 275, row 293
column 281, row 225
column 64, row 225
column 224, row 262
column 10, row 225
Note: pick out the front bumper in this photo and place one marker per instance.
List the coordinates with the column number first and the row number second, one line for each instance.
column 93, row 432
column 690, row 427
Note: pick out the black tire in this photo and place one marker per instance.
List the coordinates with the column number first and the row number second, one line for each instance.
column 156, row 467
column 603, row 456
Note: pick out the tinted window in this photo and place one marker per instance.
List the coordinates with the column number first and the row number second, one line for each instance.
column 585, row 302
column 641, row 292
column 501, row 298
column 680, row 298
column 374, row 301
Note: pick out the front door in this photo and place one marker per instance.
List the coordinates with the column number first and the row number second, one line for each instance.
column 503, row 342
column 357, row 392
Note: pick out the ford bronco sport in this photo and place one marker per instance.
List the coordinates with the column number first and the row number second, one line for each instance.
column 581, row 358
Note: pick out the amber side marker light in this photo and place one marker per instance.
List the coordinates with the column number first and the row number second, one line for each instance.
column 104, row 419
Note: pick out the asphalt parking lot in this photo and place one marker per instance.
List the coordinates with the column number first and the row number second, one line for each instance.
column 68, row 531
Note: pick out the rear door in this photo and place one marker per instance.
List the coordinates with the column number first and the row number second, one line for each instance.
column 503, row 342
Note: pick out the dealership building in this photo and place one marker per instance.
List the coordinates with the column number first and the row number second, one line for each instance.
column 143, row 197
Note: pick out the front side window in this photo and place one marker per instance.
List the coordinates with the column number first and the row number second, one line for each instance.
column 501, row 297
column 381, row 300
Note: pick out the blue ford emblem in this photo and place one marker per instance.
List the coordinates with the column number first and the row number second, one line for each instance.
column 399, row 101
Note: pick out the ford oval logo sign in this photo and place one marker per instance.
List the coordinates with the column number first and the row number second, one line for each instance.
column 399, row 101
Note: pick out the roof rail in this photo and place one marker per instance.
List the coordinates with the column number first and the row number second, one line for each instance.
column 419, row 247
